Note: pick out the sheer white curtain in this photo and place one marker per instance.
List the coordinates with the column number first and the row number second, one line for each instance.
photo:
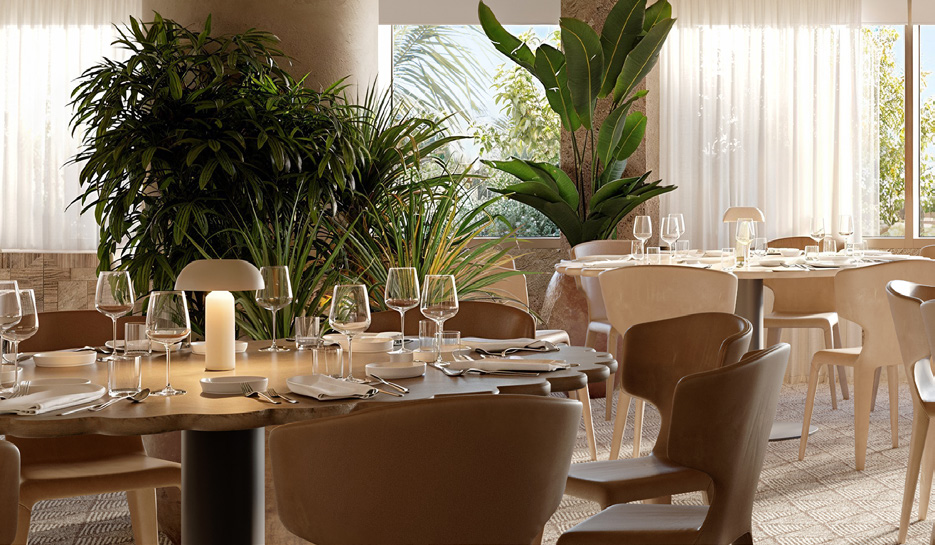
column 761, row 106
column 44, row 46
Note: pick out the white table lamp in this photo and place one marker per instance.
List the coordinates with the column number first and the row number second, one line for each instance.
column 735, row 213
column 219, row 277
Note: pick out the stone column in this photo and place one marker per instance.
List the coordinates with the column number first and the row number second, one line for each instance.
column 327, row 39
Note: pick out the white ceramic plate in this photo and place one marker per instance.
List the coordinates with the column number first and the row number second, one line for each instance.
column 608, row 257
column 156, row 346
column 824, row 265
column 396, row 369
column 64, row 358
column 46, row 383
column 232, row 385
column 771, row 262
column 198, row 347
column 365, row 343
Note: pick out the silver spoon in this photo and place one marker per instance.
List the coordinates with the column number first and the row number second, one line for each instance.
column 135, row 398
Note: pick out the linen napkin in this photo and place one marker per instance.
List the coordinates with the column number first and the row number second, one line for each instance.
column 499, row 345
column 511, row 364
column 325, row 388
column 53, row 399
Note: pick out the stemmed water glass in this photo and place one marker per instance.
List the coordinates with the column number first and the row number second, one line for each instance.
column 167, row 323
column 11, row 309
column 642, row 230
column 669, row 231
column 845, row 226
column 817, row 231
column 350, row 314
column 276, row 294
column 28, row 324
column 402, row 294
column 746, row 233
column 439, row 302
column 114, row 298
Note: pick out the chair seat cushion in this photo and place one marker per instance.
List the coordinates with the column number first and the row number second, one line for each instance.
column 81, row 477
column 836, row 356
column 820, row 320
column 642, row 524
column 620, row 481
column 554, row 336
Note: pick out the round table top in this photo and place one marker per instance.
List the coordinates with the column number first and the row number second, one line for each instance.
column 205, row 412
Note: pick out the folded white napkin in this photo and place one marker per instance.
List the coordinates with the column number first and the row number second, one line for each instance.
column 325, row 388
column 499, row 345
column 510, row 364
column 52, row 399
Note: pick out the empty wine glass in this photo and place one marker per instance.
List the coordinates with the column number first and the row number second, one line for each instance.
column 402, row 294
column 11, row 309
column 27, row 326
column 746, row 232
column 350, row 314
column 276, row 294
column 439, row 302
column 114, row 298
column 167, row 323
column 670, row 231
column 817, row 231
column 681, row 222
column 642, row 230
column 845, row 226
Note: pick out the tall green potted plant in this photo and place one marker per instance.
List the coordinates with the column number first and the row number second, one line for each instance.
column 588, row 203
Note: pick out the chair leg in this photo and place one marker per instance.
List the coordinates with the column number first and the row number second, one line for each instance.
column 829, row 342
column 637, row 426
column 836, row 342
column 611, row 380
column 143, row 516
column 863, row 394
column 928, row 466
column 746, row 539
column 892, row 378
column 920, row 426
column 623, row 410
column 773, row 336
column 22, row 525
column 809, row 404
column 876, row 387
column 585, row 400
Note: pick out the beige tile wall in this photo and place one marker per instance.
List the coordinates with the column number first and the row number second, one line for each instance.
column 61, row 281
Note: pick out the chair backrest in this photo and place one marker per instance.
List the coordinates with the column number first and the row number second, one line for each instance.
column 511, row 290
column 928, row 251
column 658, row 354
column 923, row 376
column 721, row 421
column 906, row 299
column 800, row 295
column 647, row 293
column 474, row 319
column 9, row 491
column 861, row 297
column 589, row 284
column 465, row 470
column 74, row 328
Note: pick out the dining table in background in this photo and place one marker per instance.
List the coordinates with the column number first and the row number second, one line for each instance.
column 223, row 439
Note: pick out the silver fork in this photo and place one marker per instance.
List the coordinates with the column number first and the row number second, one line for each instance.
column 274, row 393
column 248, row 391
column 21, row 390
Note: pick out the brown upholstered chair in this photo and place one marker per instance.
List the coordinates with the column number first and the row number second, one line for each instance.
column 906, row 300
column 474, row 319
column 656, row 361
column 806, row 303
column 648, row 293
column 463, row 470
column 928, row 251
column 63, row 467
column 9, row 491
column 721, row 421
column 861, row 297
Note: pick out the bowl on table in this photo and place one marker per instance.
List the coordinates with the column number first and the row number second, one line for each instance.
column 232, row 385
column 365, row 343
column 396, row 369
column 790, row 252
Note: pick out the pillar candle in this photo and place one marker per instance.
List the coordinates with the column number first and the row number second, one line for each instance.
column 219, row 331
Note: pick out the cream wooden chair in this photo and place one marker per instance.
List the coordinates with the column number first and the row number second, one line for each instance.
column 806, row 303
column 9, row 491
column 598, row 323
column 648, row 293
column 513, row 291
column 906, row 302
column 465, row 470
column 656, row 361
column 861, row 297
column 721, row 421
column 928, row 251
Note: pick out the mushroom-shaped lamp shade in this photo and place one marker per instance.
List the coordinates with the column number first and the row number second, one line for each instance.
column 735, row 213
column 220, row 277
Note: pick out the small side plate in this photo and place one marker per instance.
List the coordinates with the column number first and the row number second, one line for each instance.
column 396, row 369
column 64, row 359
column 231, row 385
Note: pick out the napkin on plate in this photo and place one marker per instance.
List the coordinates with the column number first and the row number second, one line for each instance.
column 499, row 345
column 52, row 399
column 511, row 364
column 325, row 388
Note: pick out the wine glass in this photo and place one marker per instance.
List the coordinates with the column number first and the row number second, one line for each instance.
column 745, row 234
column 681, row 222
column 642, row 230
column 402, row 294
column 350, row 314
column 817, row 231
column 670, row 231
column 167, row 323
column 276, row 294
column 845, row 226
column 114, row 298
column 11, row 309
column 27, row 326
column 439, row 302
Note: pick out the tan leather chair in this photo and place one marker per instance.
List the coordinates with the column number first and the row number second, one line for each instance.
column 64, row 467
column 648, row 293
column 861, row 297
column 721, row 421
column 926, row 384
column 806, row 303
column 474, row 319
column 457, row 470
column 928, row 251
column 656, row 361
column 598, row 322
column 906, row 300
column 9, row 491
column 513, row 291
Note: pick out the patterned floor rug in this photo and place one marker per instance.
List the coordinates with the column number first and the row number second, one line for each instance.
column 822, row 499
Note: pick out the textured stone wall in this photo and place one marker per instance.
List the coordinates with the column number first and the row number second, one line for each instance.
column 61, row 281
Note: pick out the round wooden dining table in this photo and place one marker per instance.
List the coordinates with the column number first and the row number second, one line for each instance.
column 223, row 457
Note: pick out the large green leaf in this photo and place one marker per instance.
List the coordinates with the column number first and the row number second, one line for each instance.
column 506, row 43
column 532, row 189
column 566, row 187
column 621, row 28
column 550, row 69
column 564, row 217
column 585, row 66
column 611, row 131
column 611, row 172
column 632, row 136
column 614, row 188
column 655, row 13
column 642, row 59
